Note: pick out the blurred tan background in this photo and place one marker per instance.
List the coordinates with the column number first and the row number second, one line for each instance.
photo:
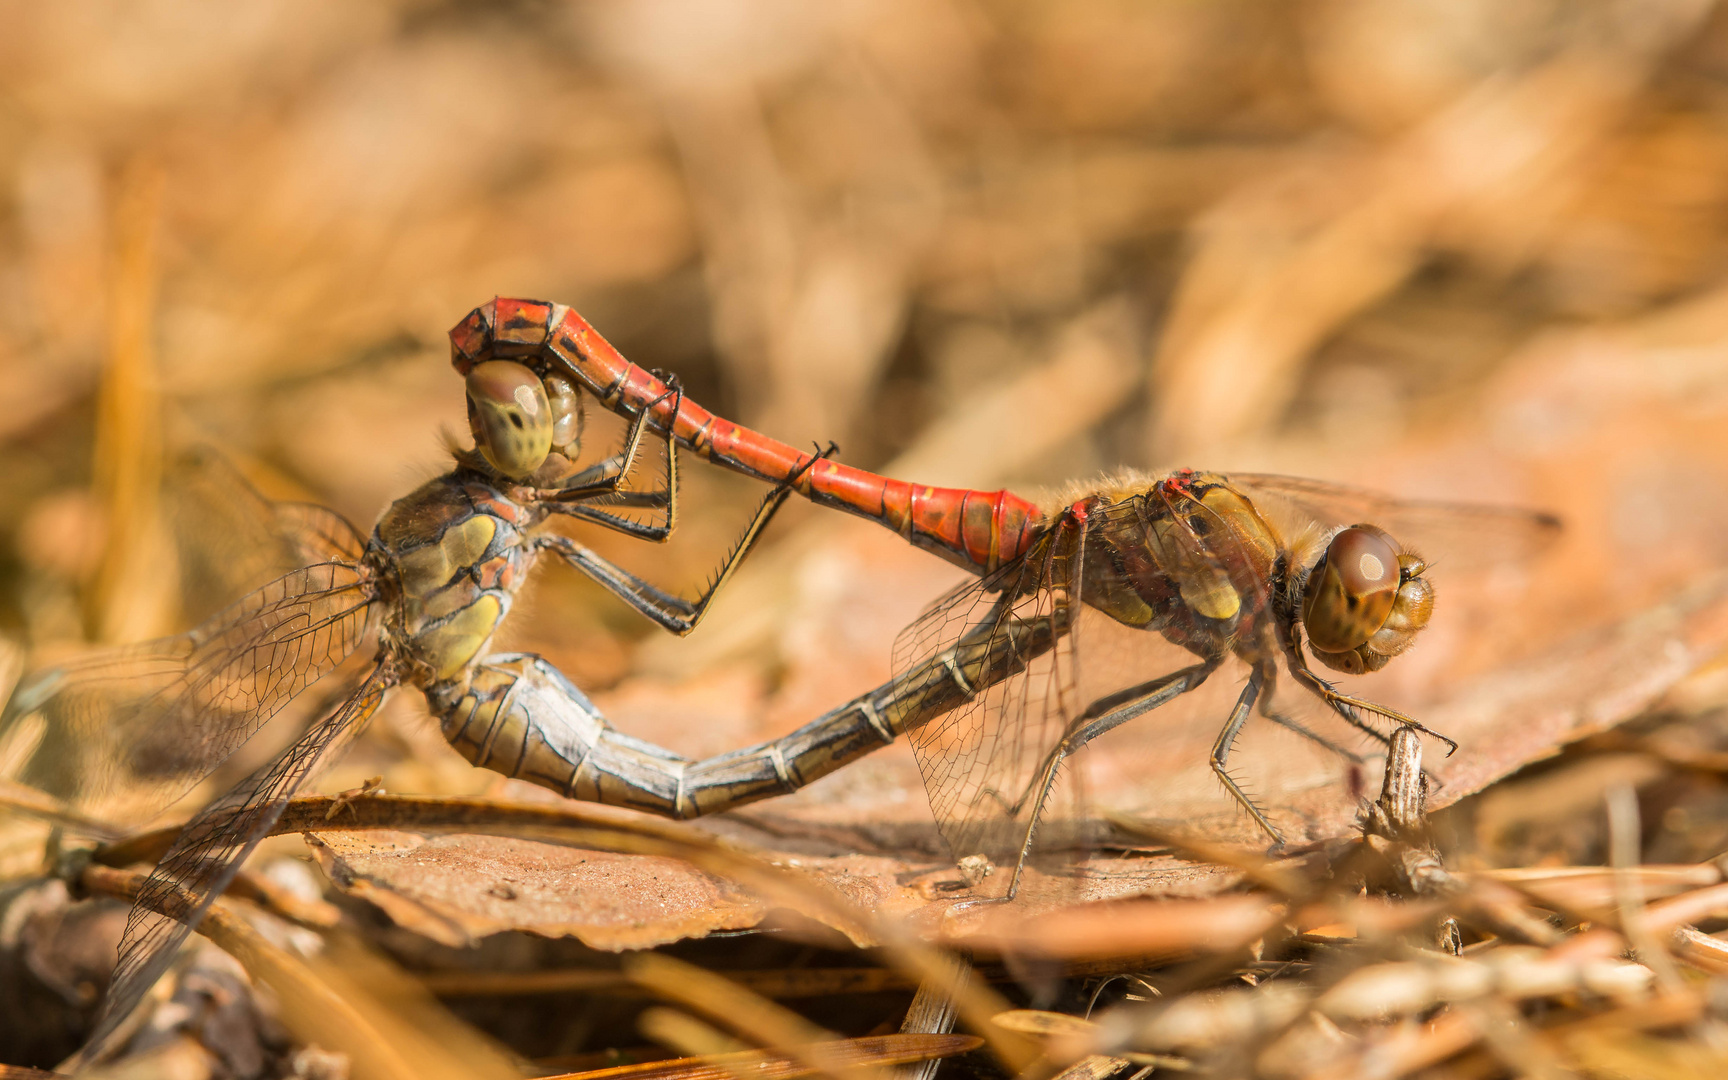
column 1466, row 249
column 1462, row 249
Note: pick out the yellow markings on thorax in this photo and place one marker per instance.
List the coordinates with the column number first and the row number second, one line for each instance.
column 1209, row 593
column 1204, row 585
column 1227, row 526
column 1125, row 606
column 447, row 649
column 427, row 569
column 1244, row 522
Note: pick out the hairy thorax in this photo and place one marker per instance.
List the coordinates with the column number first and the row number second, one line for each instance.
column 1187, row 556
column 455, row 551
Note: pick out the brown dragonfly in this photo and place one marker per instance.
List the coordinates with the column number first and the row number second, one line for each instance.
column 441, row 569
column 988, row 690
column 138, row 726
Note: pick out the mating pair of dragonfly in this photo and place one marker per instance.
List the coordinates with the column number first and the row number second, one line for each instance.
column 986, row 685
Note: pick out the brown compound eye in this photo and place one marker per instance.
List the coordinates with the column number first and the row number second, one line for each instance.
column 1351, row 590
column 1365, row 601
column 510, row 417
column 566, row 413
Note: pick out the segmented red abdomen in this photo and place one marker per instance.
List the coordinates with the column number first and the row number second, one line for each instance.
column 979, row 530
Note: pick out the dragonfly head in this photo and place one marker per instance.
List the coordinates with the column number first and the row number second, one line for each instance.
column 517, row 418
column 1365, row 600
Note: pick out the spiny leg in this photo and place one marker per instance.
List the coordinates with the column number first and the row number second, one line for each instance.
column 1269, row 712
column 1227, row 738
column 1340, row 702
column 1102, row 715
column 1289, row 640
column 1315, row 737
column 601, row 482
column 1345, row 705
column 612, row 472
column 674, row 612
column 1342, row 705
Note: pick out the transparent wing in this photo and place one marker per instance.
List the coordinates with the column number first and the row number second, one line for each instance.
column 1205, row 555
column 1169, row 580
column 231, row 540
column 1006, row 639
column 317, row 533
column 134, row 727
column 1460, row 535
column 212, row 846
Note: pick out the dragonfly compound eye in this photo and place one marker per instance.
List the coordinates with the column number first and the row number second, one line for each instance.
column 1350, row 596
column 510, row 417
column 1410, row 611
column 566, row 413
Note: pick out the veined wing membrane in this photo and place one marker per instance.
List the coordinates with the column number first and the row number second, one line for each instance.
column 211, row 847
column 317, row 534
column 138, row 725
column 1002, row 647
column 1171, row 588
column 231, row 539
column 1460, row 535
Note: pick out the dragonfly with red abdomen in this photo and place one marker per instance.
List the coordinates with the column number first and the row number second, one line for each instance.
column 988, row 691
column 979, row 530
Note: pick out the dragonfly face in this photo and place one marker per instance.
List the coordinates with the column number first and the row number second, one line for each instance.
column 1365, row 601
column 518, row 419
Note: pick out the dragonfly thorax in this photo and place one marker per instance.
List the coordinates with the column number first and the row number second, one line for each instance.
column 459, row 555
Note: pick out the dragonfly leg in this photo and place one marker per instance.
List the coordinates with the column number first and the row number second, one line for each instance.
column 1342, row 702
column 601, row 483
column 672, row 612
column 606, row 477
column 1227, row 739
column 1271, row 713
column 1101, row 716
column 1346, row 706
column 602, row 478
column 1315, row 737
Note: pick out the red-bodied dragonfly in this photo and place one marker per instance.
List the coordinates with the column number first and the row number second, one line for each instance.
column 988, row 690
column 128, row 730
